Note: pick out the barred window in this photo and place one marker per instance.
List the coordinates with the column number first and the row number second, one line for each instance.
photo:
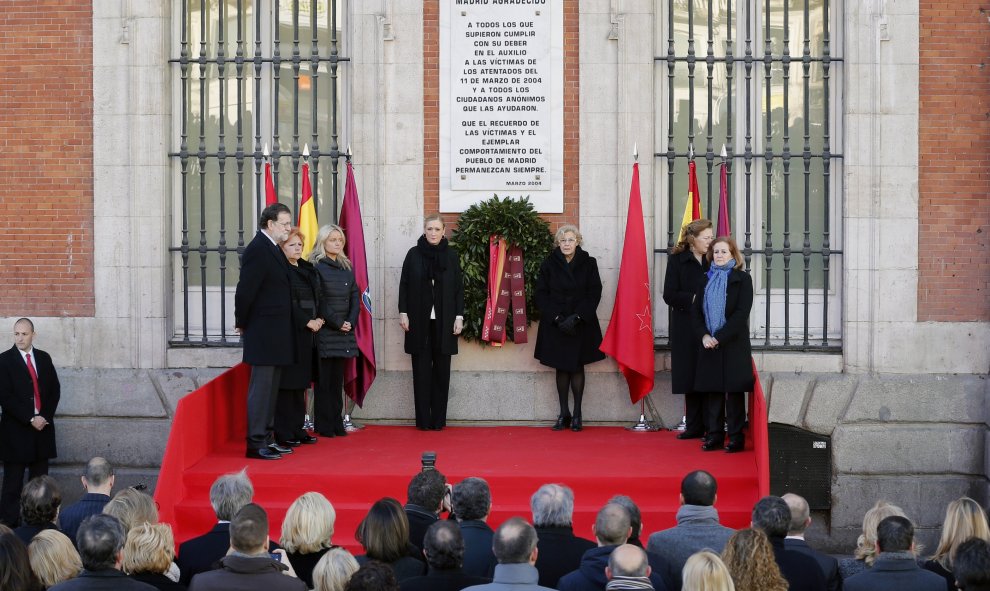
column 248, row 75
column 762, row 78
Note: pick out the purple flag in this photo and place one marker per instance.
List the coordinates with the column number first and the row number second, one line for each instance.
column 723, row 228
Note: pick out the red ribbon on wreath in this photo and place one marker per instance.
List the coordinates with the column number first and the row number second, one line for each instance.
column 505, row 284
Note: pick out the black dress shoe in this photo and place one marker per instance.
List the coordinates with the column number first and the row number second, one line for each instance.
column 279, row 449
column 263, row 454
column 562, row 423
column 288, row 443
column 735, row 446
column 576, row 424
column 308, row 439
column 712, row 443
column 691, row 435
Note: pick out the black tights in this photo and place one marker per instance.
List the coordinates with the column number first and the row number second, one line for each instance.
column 573, row 381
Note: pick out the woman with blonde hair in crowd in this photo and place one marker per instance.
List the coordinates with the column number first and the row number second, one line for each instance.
column 334, row 570
column 964, row 519
column 749, row 557
column 705, row 571
column 148, row 554
column 865, row 553
column 132, row 508
column 306, row 532
column 53, row 557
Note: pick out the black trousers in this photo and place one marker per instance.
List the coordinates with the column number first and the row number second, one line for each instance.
column 694, row 415
column 13, row 482
column 431, row 384
column 261, row 398
column 290, row 413
column 728, row 408
column 329, row 402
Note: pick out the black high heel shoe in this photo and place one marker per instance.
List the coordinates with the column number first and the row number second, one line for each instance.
column 562, row 423
column 713, row 442
column 576, row 424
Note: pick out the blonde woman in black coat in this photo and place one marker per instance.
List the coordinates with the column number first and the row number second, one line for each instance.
column 340, row 304
column 568, row 290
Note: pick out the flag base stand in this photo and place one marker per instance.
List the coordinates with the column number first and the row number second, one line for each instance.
column 682, row 426
column 645, row 425
column 349, row 425
column 308, row 424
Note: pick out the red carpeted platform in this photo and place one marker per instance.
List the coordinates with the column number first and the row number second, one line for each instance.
column 356, row 470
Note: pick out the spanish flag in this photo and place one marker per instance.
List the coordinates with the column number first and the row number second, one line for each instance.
column 307, row 214
column 692, row 208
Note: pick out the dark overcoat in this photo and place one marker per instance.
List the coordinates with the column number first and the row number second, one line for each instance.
column 305, row 307
column 680, row 285
column 19, row 441
column 416, row 299
column 563, row 289
column 263, row 304
column 728, row 367
column 340, row 302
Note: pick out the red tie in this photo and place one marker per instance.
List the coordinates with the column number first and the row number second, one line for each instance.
column 34, row 380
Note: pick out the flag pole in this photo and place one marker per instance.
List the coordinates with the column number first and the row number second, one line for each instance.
column 349, row 424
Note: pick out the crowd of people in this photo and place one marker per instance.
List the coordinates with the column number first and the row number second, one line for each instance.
column 442, row 539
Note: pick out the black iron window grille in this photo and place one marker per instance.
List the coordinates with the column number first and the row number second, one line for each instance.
column 251, row 76
column 761, row 78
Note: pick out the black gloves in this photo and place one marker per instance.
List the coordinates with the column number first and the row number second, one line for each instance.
column 569, row 325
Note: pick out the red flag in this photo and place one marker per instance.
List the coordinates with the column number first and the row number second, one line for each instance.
column 270, row 196
column 723, row 228
column 629, row 338
column 360, row 371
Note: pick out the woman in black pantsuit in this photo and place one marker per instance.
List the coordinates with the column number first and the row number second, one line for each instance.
column 721, row 323
column 431, row 311
column 290, row 407
column 568, row 290
column 339, row 306
column 686, row 268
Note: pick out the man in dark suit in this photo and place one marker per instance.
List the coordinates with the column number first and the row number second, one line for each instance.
column 98, row 482
column 472, row 503
column 101, row 548
column 772, row 515
column 427, row 495
column 263, row 318
column 560, row 550
column 896, row 567
column 800, row 520
column 29, row 394
column 443, row 547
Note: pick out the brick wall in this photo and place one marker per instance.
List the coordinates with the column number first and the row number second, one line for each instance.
column 431, row 115
column 954, row 162
column 46, row 158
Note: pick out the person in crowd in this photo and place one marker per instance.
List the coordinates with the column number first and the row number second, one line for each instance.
column 721, row 323
column 568, row 291
column 15, row 567
column 133, row 508
column 964, row 519
column 635, row 518
column 972, row 565
column 373, row 576
column 53, row 558
column 249, row 566
column 228, row 494
column 427, row 496
column 384, row 535
column 29, row 395
column 560, row 550
column 333, row 571
column 472, row 504
column 865, row 553
column 705, row 571
column 686, row 267
column 340, row 304
column 800, row 520
column 514, row 544
column 97, row 481
column 431, row 312
column 772, row 515
column 628, row 568
column 896, row 567
column 40, row 502
column 750, row 559
column 443, row 547
column 306, row 533
column 263, row 318
column 304, row 286
column 148, row 553
column 612, row 529
column 697, row 526
column 100, row 539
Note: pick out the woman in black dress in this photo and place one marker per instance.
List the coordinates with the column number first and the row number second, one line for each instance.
column 568, row 290
column 431, row 312
column 290, row 406
column 339, row 307
column 686, row 268
column 721, row 323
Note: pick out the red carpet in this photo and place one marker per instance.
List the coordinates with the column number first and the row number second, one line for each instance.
column 356, row 470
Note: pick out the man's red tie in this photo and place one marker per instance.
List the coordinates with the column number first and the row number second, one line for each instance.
column 34, row 380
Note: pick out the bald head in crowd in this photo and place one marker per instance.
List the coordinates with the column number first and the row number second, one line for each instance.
column 627, row 561
column 515, row 542
column 613, row 525
column 800, row 514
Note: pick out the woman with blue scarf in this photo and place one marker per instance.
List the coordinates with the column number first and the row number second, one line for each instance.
column 721, row 321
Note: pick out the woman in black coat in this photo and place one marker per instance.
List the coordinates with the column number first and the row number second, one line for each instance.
column 686, row 268
column 568, row 290
column 290, row 407
column 721, row 323
column 340, row 304
column 431, row 311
